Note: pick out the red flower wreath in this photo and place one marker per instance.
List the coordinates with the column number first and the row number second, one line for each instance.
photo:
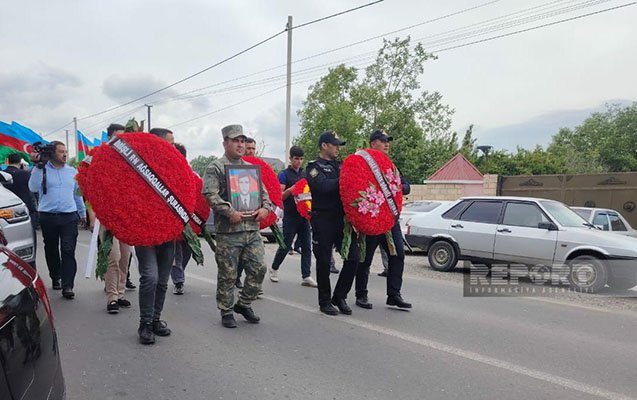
column 363, row 201
column 202, row 209
column 272, row 186
column 124, row 203
column 302, row 206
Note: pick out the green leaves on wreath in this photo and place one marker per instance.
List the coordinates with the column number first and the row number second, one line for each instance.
column 193, row 243
column 278, row 236
column 104, row 249
column 211, row 242
column 347, row 240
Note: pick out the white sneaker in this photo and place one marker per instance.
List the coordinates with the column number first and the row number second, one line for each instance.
column 309, row 282
column 274, row 275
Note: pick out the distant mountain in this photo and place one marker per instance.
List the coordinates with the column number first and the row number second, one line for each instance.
column 538, row 130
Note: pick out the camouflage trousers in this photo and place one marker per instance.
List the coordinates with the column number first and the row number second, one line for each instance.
column 234, row 248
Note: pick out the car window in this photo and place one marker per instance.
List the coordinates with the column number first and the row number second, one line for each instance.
column 586, row 214
column 454, row 211
column 424, row 206
column 616, row 223
column 601, row 219
column 523, row 214
column 482, row 211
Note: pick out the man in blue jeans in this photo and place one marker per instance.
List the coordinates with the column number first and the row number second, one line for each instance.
column 293, row 223
column 154, row 271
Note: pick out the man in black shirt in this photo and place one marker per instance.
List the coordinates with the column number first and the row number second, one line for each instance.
column 327, row 226
column 293, row 223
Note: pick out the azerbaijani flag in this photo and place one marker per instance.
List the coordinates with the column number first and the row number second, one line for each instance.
column 12, row 141
column 85, row 145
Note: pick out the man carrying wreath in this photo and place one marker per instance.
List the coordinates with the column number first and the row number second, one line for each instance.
column 237, row 233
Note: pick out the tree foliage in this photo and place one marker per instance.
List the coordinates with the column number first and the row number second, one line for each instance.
column 199, row 163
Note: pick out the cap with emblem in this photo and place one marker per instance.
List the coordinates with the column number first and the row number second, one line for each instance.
column 331, row 138
column 380, row 135
column 232, row 131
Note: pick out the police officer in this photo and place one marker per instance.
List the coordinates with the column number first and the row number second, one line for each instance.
column 237, row 233
column 327, row 226
column 379, row 140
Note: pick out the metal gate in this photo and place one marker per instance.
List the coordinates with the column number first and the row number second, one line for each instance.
column 617, row 191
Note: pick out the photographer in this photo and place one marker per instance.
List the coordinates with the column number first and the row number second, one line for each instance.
column 60, row 211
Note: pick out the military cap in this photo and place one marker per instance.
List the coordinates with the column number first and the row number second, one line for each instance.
column 232, row 131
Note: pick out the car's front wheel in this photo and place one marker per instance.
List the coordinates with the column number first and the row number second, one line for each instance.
column 587, row 274
column 442, row 256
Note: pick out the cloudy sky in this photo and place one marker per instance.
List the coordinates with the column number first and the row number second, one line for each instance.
column 69, row 58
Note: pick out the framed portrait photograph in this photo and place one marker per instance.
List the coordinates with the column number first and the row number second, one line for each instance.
column 244, row 187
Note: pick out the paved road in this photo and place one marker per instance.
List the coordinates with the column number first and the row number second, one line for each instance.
column 447, row 347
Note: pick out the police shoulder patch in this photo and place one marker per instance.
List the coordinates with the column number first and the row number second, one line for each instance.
column 314, row 172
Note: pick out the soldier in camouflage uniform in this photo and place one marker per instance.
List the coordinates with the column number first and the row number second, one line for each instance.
column 237, row 234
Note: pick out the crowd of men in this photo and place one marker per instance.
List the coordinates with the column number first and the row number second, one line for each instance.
column 239, row 245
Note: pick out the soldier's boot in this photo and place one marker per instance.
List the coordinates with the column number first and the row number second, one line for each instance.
column 228, row 321
column 247, row 313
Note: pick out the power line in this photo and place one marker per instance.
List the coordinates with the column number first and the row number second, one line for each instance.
column 439, row 51
column 442, row 40
column 224, row 61
column 337, row 14
column 537, row 27
column 58, row 129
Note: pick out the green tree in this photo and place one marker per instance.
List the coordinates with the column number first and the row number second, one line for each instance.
column 199, row 163
column 387, row 96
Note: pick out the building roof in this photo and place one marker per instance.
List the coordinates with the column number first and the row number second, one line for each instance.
column 456, row 169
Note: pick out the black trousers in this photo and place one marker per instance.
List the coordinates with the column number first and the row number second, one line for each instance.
column 59, row 231
column 327, row 232
column 395, row 268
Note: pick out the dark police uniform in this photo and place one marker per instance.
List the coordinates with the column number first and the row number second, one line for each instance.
column 327, row 230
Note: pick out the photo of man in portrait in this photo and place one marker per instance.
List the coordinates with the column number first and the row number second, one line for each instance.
column 246, row 198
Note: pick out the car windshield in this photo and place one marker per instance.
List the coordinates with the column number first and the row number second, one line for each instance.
column 422, row 206
column 563, row 215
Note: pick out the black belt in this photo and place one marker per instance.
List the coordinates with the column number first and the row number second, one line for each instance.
column 57, row 213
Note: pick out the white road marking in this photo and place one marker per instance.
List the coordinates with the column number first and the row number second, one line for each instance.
column 466, row 354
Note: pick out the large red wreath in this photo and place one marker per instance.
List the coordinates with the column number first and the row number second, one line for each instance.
column 304, row 207
column 202, row 209
column 272, row 186
column 363, row 201
column 122, row 200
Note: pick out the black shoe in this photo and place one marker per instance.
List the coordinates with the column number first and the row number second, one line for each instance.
column 398, row 302
column 57, row 284
column 342, row 306
column 179, row 288
column 384, row 273
column 160, row 328
column 123, row 303
column 112, row 307
column 329, row 310
column 145, row 332
column 238, row 283
column 130, row 285
column 228, row 321
column 363, row 303
column 334, row 270
column 67, row 293
column 247, row 313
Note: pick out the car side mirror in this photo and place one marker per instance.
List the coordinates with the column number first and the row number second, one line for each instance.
column 549, row 226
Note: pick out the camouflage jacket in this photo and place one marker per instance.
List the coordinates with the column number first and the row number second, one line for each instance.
column 216, row 192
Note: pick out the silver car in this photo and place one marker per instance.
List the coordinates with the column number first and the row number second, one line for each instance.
column 527, row 231
column 607, row 220
column 16, row 224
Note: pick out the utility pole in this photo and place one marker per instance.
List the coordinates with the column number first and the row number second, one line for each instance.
column 288, row 91
column 77, row 144
column 67, row 139
column 148, row 120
